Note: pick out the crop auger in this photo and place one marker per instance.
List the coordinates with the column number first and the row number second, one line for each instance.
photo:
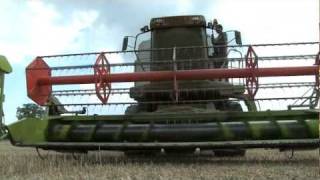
column 188, row 87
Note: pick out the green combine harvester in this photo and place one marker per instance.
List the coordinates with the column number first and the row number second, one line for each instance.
column 184, row 90
column 5, row 68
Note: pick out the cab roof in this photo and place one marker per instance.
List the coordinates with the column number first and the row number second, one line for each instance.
column 177, row 21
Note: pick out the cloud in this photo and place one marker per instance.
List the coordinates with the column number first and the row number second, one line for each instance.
column 185, row 6
column 49, row 27
column 38, row 30
column 272, row 20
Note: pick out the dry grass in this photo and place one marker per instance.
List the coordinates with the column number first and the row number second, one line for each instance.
column 23, row 163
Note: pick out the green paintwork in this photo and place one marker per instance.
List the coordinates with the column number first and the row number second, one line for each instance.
column 4, row 65
column 314, row 127
column 32, row 131
column 28, row 130
column 4, row 68
column 63, row 133
column 227, row 132
column 2, row 97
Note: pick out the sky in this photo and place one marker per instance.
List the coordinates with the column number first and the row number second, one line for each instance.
column 32, row 28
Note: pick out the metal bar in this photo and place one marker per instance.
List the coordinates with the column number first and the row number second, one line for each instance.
column 218, row 116
column 180, row 102
column 266, row 58
column 190, row 47
column 266, row 85
column 127, row 90
column 295, row 143
column 199, row 74
column 175, row 83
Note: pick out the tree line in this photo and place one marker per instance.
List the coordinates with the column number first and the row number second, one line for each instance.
column 30, row 110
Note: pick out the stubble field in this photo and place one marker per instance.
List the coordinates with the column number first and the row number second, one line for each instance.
column 24, row 163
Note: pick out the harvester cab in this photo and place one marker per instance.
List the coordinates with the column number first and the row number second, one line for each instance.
column 5, row 68
column 182, row 88
column 183, row 31
column 181, row 38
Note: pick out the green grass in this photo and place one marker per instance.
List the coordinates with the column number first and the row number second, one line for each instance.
column 23, row 163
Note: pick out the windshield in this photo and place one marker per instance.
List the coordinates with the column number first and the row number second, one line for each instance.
column 179, row 37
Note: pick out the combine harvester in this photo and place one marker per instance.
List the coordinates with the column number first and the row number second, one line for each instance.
column 187, row 87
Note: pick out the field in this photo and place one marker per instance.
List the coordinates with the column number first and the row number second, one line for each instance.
column 23, row 163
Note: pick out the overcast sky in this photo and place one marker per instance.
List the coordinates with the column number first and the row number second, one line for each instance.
column 31, row 28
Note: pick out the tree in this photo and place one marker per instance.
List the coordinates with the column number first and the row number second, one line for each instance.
column 30, row 110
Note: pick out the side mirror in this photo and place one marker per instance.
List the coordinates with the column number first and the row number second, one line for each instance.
column 125, row 43
column 145, row 29
column 237, row 35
